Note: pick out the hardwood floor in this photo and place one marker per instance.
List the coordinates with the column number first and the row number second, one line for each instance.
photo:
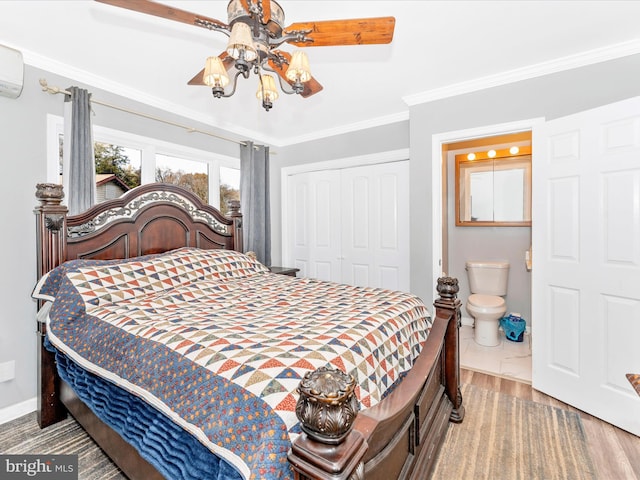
column 615, row 453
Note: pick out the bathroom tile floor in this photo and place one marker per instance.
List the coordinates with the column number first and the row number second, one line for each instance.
column 509, row 359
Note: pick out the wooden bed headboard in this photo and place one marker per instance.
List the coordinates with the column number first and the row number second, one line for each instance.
column 129, row 227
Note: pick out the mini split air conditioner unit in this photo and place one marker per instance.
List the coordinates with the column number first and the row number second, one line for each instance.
column 11, row 72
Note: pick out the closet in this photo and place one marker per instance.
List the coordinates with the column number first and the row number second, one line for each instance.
column 350, row 225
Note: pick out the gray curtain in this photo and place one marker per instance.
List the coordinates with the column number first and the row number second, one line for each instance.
column 79, row 172
column 254, row 200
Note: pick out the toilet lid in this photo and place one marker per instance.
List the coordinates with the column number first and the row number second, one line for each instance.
column 487, row 301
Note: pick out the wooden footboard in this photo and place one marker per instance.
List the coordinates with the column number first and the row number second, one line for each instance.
column 397, row 438
column 400, row 437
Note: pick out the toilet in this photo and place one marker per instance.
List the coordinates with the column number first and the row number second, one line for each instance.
column 488, row 284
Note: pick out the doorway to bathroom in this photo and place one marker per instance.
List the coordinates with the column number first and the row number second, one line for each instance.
column 473, row 163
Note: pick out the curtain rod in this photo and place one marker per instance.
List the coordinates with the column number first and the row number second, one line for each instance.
column 55, row 90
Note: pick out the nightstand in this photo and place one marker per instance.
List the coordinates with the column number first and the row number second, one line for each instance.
column 291, row 272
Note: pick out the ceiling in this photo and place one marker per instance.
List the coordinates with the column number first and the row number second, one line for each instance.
column 439, row 48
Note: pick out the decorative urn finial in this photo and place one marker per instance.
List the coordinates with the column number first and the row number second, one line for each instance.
column 327, row 405
column 447, row 287
column 49, row 193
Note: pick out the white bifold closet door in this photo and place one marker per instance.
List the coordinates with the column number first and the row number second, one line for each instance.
column 351, row 225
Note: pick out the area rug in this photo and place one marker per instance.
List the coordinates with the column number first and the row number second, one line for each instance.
column 501, row 438
column 504, row 437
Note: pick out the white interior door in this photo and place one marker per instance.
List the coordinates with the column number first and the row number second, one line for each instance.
column 315, row 233
column 586, row 261
column 375, row 240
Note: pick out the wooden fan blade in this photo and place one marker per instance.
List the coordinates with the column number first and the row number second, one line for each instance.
column 266, row 11
column 197, row 79
column 163, row 11
column 357, row 31
column 227, row 61
column 310, row 88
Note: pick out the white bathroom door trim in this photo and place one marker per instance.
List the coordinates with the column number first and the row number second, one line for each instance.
column 437, row 142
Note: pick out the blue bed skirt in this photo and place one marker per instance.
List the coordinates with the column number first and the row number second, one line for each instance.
column 168, row 447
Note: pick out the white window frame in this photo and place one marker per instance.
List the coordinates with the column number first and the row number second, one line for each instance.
column 149, row 148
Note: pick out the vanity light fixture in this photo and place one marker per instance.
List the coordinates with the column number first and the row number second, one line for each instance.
column 497, row 153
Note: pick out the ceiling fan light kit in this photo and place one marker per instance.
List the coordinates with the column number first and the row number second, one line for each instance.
column 256, row 30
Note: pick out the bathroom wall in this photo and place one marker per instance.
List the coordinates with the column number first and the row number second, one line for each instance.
column 488, row 243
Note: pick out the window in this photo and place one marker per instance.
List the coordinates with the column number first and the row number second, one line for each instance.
column 189, row 174
column 137, row 160
column 229, row 187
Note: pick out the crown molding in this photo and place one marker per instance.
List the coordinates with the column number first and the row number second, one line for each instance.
column 532, row 71
column 569, row 62
column 79, row 75
column 83, row 76
column 353, row 127
column 88, row 78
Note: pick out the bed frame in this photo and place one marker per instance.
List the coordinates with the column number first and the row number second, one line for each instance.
column 398, row 438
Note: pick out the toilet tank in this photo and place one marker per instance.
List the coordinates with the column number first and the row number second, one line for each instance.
column 488, row 278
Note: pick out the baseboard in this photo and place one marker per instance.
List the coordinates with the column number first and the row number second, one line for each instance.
column 18, row 410
column 495, row 374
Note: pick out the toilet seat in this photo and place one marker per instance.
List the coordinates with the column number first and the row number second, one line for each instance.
column 486, row 303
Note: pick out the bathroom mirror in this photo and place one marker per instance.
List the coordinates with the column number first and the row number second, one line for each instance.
column 494, row 188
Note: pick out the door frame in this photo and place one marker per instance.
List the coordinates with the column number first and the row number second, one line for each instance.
column 339, row 163
column 437, row 142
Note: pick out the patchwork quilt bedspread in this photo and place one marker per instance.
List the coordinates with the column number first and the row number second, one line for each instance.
column 218, row 344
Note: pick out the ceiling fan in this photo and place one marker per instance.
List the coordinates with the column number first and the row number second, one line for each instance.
column 256, row 30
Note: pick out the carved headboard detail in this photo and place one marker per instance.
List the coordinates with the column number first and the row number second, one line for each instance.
column 128, row 226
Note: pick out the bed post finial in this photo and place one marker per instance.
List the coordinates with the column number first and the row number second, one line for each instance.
column 49, row 193
column 327, row 405
column 51, row 242
column 51, row 235
column 329, row 447
column 236, row 216
column 448, row 305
